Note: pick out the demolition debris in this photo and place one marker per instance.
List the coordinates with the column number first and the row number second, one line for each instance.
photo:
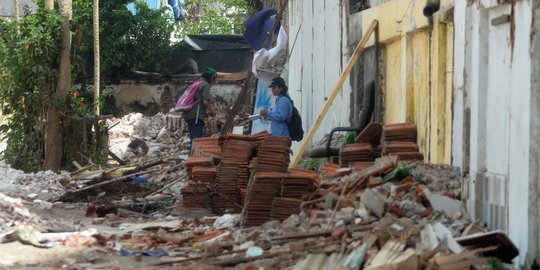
column 235, row 204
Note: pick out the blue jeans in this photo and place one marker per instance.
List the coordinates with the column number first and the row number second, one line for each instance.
column 195, row 130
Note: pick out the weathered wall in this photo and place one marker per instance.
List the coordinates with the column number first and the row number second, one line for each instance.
column 317, row 60
column 130, row 96
column 534, row 149
column 417, row 70
column 7, row 7
column 494, row 108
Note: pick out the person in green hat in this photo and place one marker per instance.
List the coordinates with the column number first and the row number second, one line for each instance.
column 196, row 117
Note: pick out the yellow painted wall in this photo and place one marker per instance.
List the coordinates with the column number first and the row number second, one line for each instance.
column 418, row 60
column 394, row 102
column 418, row 86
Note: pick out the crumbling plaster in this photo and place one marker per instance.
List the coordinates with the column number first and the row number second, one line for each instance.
column 129, row 92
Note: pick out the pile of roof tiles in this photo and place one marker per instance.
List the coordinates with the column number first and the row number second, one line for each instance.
column 232, row 171
column 204, row 174
column 356, row 152
column 205, row 146
column 195, row 196
column 400, row 140
column 262, row 190
column 283, row 208
column 196, row 161
column 272, row 154
column 261, row 204
column 268, row 167
column 201, row 174
column 298, row 182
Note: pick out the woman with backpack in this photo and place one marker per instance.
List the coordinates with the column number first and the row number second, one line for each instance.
column 282, row 112
column 195, row 104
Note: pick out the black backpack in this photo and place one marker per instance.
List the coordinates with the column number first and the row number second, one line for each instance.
column 295, row 125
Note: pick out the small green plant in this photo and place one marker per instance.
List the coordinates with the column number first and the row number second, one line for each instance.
column 313, row 164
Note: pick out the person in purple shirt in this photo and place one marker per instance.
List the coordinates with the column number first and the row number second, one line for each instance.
column 281, row 114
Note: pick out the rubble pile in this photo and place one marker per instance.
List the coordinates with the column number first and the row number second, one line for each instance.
column 41, row 185
column 165, row 134
column 386, row 216
column 14, row 213
column 368, row 212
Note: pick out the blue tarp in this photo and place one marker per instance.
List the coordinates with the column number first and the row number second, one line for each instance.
column 258, row 26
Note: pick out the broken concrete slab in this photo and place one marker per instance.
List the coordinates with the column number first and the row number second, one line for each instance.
column 374, row 202
column 442, row 203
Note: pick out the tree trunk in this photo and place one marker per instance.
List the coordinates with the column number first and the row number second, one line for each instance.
column 17, row 10
column 49, row 4
column 53, row 131
column 17, row 13
column 96, row 57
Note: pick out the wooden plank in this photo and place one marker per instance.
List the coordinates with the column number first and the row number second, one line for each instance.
column 111, row 181
column 237, row 105
column 332, row 97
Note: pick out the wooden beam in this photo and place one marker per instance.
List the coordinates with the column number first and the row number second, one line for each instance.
column 357, row 52
column 227, row 127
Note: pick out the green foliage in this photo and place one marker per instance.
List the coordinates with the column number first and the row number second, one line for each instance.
column 127, row 42
column 28, row 74
column 216, row 17
column 313, row 164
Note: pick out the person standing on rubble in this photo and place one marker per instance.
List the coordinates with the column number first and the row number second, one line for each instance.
column 196, row 117
column 281, row 113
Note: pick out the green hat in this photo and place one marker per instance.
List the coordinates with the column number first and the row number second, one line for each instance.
column 211, row 71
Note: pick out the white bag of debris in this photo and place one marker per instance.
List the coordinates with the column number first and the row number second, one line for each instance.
column 227, row 221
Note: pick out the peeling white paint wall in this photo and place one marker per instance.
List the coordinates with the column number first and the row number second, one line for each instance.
column 493, row 80
column 317, row 60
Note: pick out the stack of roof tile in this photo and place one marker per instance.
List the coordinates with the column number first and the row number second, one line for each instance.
column 360, row 165
column 282, row 208
column 196, row 161
column 204, row 174
column 232, row 172
column 355, row 152
column 297, row 183
column 272, row 155
column 262, row 190
column 243, row 180
column 400, row 132
column 206, row 146
column 227, row 194
column 329, row 170
column 195, row 196
column 400, row 140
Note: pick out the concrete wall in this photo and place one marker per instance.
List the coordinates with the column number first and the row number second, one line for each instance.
column 317, row 60
column 493, row 106
column 7, row 7
column 417, row 71
column 129, row 95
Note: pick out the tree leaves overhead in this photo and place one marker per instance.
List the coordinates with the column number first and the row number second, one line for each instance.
column 128, row 41
column 216, row 17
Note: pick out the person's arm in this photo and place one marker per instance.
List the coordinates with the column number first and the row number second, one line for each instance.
column 206, row 100
column 282, row 110
column 209, row 108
